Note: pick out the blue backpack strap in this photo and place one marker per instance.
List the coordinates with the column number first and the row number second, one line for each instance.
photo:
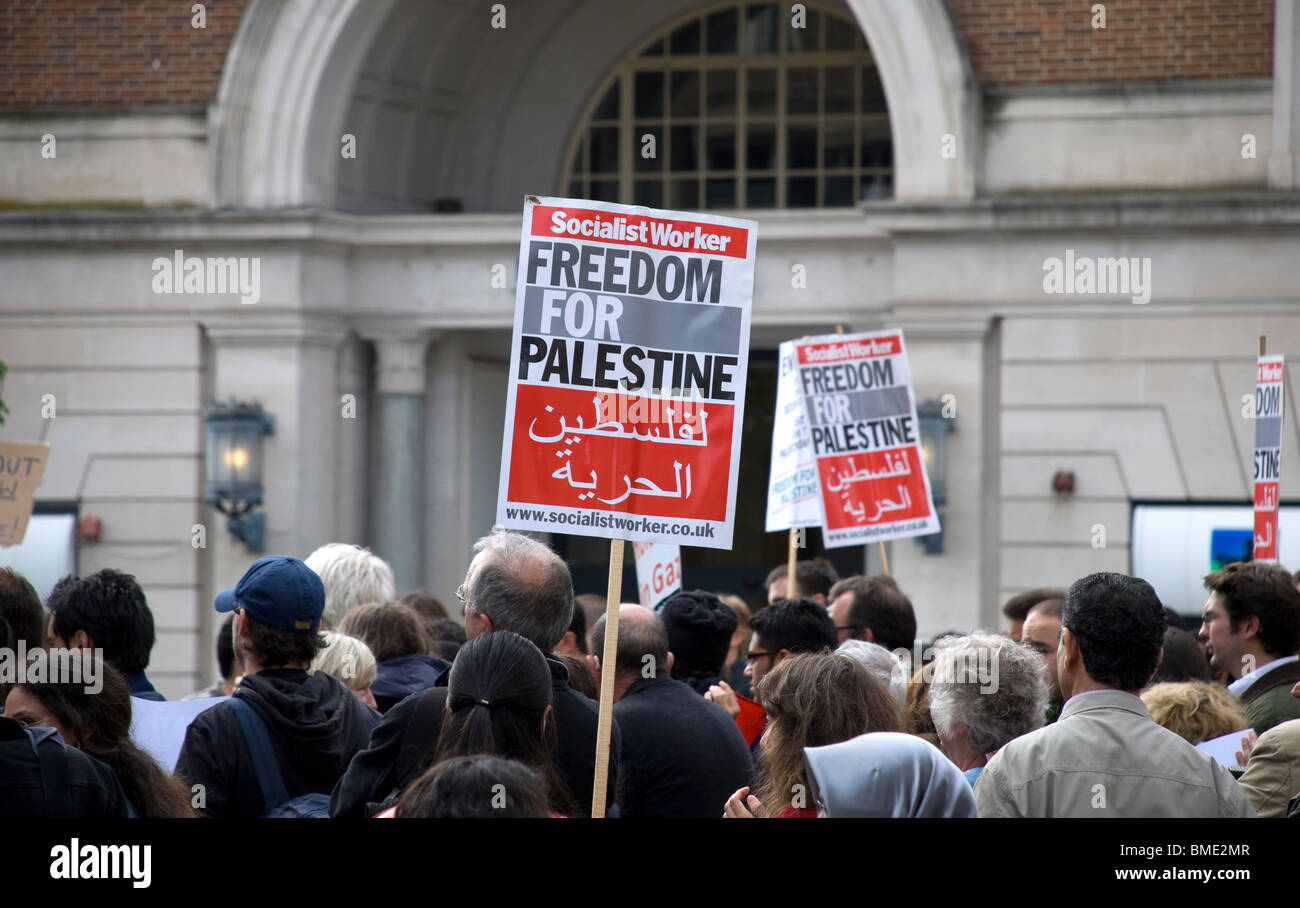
column 258, row 743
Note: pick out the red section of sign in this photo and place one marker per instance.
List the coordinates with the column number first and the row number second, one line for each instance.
column 1265, row 536
column 606, row 468
column 639, row 230
column 874, row 487
column 839, row 351
column 1268, row 372
column 1266, row 496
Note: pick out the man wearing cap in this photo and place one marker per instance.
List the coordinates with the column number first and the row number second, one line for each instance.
column 315, row 724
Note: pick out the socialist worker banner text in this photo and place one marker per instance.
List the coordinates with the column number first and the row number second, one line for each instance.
column 627, row 373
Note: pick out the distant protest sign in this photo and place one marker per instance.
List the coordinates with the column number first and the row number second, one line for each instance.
column 627, row 373
column 792, row 498
column 1268, row 454
column 866, row 440
column 658, row 571
column 22, row 466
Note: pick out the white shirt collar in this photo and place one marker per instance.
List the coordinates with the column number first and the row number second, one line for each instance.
column 1242, row 684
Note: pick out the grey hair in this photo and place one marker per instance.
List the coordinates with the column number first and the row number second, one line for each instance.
column 346, row 658
column 351, row 576
column 881, row 663
column 991, row 684
column 523, row 587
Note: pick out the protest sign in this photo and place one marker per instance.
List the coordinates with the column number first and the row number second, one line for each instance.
column 792, row 498
column 866, row 440
column 22, row 466
column 1268, row 453
column 658, row 571
column 627, row 373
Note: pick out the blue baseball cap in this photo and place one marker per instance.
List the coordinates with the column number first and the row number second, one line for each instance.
column 279, row 592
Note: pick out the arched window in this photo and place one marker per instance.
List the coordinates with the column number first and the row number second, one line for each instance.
column 742, row 107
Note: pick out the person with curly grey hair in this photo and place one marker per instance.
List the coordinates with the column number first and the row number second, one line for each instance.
column 986, row 690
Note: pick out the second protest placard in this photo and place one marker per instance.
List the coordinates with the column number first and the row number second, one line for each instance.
column 627, row 375
column 866, row 440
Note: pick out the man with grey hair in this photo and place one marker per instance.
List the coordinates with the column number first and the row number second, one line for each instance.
column 881, row 663
column 987, row 690
column 514, row 584
column 352, row 576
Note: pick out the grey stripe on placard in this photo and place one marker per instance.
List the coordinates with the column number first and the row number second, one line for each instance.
column 701, row 327
column 825, row 409
column 1268, row 432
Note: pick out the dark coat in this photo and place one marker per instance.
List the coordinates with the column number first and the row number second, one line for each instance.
column 91, row 789
column 397, row 679
column 315, row 725
column 683, row 756
column 374, row 773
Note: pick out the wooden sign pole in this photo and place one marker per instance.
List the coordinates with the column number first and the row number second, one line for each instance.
column 790, row 563
column 884, row 559
column 608, row 666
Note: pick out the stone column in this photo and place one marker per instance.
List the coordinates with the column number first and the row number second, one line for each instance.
column 1284, row 162
column 397, row 521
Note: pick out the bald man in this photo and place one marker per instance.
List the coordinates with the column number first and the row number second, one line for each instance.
column 682, row 755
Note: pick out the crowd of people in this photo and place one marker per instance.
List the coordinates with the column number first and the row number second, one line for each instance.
column 338, row 698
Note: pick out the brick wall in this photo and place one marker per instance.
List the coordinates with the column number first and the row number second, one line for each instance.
column 131, row 53
column 1027, row 42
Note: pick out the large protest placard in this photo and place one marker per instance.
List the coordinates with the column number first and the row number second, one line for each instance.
column 627, row 375
column 22, row 467
column 1268, row 454
column 658, row 572
column 792, row 483
column 866, row 440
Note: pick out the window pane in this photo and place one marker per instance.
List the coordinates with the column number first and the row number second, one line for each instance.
column 801, row 148
column 760, row 192
column 801, row 90
column 580, row 162
column 839, row 33
column 801, row 192
column 685, row 144
column 604, row 149
column 649, row 193
column 654, row 50
column 839, row 89
column 876, row 186
column 873, row 93
column 720, row 151
column 575, row 189
column 685, row 194
column 877, row 149
column 762, row 28
column 648, row 151
column 604, row 190
column 720, row 193
column 607, row 109
column 838, row 139
column 838, row 192
column 686, row 40
column 721, row 91
column 722, row 32
column 803, row 39
column 685, row 98
column 649, row 91
column 762, row 91
column 760, row 148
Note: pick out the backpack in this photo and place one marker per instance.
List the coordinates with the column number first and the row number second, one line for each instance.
column 275, row 797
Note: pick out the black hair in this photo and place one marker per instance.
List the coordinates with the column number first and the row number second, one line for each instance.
column 579, row 627
column 226, row 648
column 1119, row 625
column 798, row 625
column 814, row 577
column 21, row 607
column 497, row 693
column 445, row 637
column 480, row 786
column 881, row 607
column 1266, row 591
column 1183, row 658
column 275, row 647
column 1017, row 607
column 111, row 608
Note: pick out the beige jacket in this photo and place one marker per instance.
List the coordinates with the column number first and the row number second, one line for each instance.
column 1272, row 776
column 1106, row 757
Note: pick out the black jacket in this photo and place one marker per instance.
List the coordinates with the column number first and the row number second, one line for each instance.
column 683, row 756
column 87, row 788
column 373, row 773
column 397, row 679
column 315, row 724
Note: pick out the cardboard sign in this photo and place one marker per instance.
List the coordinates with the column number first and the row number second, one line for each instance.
column 627, row 373
column 1268, row 454
column 658, row 572
column 22, row 466
column 792, row 498
column 866, row 439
